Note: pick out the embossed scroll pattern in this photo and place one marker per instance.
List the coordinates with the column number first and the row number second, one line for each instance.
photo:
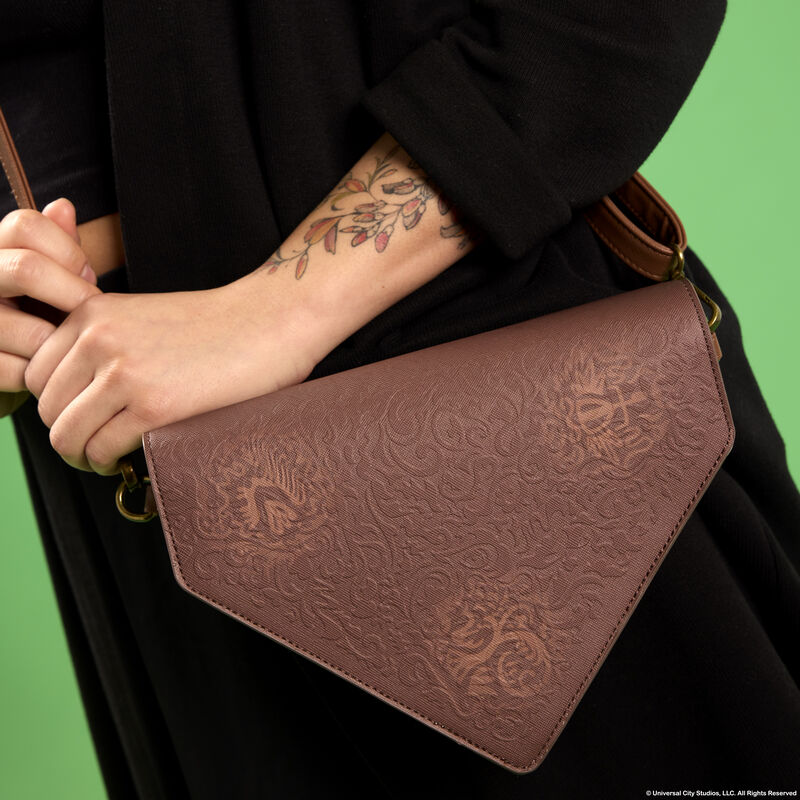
column 466, row 533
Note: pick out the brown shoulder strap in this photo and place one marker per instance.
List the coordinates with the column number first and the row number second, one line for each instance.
column 640, row 226
column 635, row 221
column 12, row 167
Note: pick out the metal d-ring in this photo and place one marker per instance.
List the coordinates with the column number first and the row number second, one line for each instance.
column 676, row 271
column 131, row 483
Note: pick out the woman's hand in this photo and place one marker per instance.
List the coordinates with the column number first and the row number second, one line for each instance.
column 41, row 257
column 123, row 364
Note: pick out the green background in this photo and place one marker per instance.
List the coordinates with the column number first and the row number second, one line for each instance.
column 728, row 165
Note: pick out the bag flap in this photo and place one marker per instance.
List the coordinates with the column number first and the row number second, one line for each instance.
column 463, row 530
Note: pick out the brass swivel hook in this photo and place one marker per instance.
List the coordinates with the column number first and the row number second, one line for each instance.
column 676, row 271
column 131, row 483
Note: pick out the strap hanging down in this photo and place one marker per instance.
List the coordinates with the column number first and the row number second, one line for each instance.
column 12, row 167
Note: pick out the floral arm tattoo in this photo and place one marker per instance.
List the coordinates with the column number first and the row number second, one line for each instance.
column 386, row 209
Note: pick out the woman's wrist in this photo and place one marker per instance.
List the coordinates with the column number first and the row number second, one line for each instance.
column 382, row 232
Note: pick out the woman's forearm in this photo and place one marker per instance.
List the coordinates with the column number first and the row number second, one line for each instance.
column 383, row 231
column 125, row 363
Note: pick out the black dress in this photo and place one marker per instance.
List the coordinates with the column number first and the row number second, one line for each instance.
column 229, row 123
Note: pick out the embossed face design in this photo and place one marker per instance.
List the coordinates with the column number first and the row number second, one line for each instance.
column 609, row 413
column 613, row 420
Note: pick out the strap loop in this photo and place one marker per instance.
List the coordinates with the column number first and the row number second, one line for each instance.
column 129, row 484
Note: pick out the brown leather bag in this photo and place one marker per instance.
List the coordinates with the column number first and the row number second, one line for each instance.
column 464, row 530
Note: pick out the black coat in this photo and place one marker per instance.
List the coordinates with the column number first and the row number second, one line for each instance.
column 230, row 122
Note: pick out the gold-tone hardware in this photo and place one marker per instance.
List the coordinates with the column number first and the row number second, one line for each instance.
column 129, row 474
column 676, row 271
column 677, row 264
column 716, row 311
column 130, row 483
column 133, row 516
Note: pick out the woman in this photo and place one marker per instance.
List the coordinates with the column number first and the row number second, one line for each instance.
column 233, row 129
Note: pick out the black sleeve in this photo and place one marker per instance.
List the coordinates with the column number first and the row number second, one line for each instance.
column 527, row 109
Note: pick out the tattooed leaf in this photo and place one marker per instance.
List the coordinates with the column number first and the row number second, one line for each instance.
column 381, row 240
column 399, row 187
column 302, row 262
column 319, row 229
column 355, row 185
column 411, row 221
column 410, row 206
column 384, row 172
column 272, row 269
column 330, row 239
column 455, row 229
column 336, row 198
column 444, row 204
column 366, row 207
column 351, row 229
column 358, row 238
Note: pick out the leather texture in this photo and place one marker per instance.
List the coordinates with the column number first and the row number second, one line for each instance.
column 463, row 530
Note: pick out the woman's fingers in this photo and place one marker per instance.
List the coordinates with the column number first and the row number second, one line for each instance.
column 95, row 408
column 20, row 333
column 61, row 343
column 69, row 378
column 63, row 213
column 28, row 272
column 40, row 260
column 121, row 435
column 26, row 229
column 12, row 372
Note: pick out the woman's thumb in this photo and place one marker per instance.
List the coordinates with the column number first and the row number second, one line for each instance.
column 62, row 212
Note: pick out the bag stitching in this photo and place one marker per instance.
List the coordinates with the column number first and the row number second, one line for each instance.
column 10, row 182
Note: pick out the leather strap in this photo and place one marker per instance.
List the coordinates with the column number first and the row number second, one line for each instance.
column 12, row 167
column 644, row 246
column 635, row 221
